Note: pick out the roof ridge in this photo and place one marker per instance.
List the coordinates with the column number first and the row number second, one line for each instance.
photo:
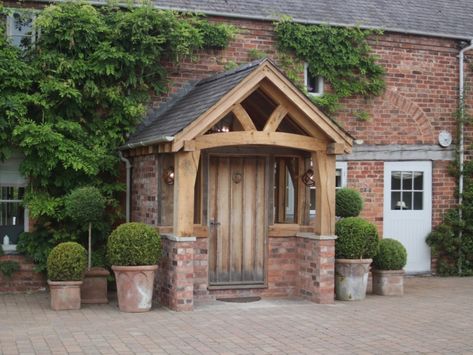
column 230, row 72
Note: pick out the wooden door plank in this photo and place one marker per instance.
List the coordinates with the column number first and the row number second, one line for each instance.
column 213, row 215
column 249, row 214
column 260, row 225
column 223, row 228
column 236, row 221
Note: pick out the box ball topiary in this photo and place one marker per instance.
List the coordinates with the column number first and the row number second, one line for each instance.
column 348, row 203
column 85, row 204
column 134, row 244
column 391, row 255
column 67, row 262
column 356, row 239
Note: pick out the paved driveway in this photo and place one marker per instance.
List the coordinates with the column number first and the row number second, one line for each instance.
column 435, row 316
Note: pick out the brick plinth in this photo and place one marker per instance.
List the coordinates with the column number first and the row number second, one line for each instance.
column 175, row 280
column 24, row 280
column 296, row 267
column 316, row 269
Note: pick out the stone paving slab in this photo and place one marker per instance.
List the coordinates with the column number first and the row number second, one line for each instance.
column 435, row 316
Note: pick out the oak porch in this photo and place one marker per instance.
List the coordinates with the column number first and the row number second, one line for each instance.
column 263, row 115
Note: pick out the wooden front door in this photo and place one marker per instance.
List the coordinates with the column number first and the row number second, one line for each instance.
column 237, row 220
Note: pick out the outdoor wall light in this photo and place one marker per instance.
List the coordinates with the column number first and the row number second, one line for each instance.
column 308, row 178
column 168, row 175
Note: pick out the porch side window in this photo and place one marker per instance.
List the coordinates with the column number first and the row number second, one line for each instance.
column 13, row 216
column 285, row 189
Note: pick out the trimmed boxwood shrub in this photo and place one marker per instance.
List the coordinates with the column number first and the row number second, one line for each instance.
column 133, row 244
column 85, row 204
column 67, row 262
column 391, row 255
column 357, row 239
column 348, row 203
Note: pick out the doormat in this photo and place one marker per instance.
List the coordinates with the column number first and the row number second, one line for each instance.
column 240, row 299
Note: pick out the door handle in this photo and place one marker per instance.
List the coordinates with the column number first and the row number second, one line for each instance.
column 214, row 223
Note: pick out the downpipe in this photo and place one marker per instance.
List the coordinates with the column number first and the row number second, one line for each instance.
column 128, row 184
column 461, row 142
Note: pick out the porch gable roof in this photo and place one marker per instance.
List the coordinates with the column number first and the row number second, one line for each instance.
column 180, row 116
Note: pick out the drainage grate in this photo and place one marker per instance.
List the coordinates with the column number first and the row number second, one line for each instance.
column 240, row 299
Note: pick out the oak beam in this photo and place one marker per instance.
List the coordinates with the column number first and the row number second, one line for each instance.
column 244, row 118
column 335, row 148
column 280, row 139
column 324, row 172
column 275, row 119
column 185, row 169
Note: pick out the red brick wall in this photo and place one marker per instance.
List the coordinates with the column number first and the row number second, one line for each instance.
column 25, row 279
column 368, row 178
column 144, row 189
column 443, row 191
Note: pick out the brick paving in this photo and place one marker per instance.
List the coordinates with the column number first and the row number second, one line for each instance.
column 435, row 316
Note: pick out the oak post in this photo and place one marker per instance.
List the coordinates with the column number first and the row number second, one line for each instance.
column 324, row 173
column 185, row 169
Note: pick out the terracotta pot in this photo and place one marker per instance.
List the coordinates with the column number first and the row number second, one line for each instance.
column 94, row 288
column 135, row 286
column 351, row 278
column 64, row 294
column 388, row 282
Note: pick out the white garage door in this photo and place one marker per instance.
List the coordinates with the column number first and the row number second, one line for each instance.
column 408, row 209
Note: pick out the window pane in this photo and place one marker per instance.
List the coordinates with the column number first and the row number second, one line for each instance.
column 396, row 180
column 285, row 190
column 12, row 193
column 418, row 200
column 406, row 180
column 313, row 83
column 418, row 180
column 407, row 199
column 395, row 200
column 338, row 178
column 11, row 214
column 312, row 199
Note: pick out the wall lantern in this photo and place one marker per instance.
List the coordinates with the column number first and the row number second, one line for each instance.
column 308, row 178
column 168, row 175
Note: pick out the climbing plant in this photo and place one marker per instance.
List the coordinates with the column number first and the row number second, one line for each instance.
column 452, row 240
column 341, row 55
column 69, row 100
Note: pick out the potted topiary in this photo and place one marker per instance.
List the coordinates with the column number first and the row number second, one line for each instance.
column 133, row 250
column 388, row 275
column 66, row 266
column 356, row 244
column 86, row 205
column 348, row 203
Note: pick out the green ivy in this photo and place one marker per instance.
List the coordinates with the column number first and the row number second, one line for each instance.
column 9, row 267
column 341, row 55
column 70, row 100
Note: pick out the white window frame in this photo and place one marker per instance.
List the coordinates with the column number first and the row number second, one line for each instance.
column 319, row 79
column 10, row 27
column 343, row 167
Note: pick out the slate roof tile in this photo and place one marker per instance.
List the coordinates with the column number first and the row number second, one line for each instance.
column 444, row 18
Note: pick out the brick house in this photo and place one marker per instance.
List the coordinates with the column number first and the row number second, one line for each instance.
column 399, row 161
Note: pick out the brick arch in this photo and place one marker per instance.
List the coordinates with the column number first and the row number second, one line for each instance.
column 414, row 111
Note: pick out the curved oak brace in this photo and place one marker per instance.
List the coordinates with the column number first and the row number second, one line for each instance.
column 243, row 117
column 278, row 139
column 275, row 119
